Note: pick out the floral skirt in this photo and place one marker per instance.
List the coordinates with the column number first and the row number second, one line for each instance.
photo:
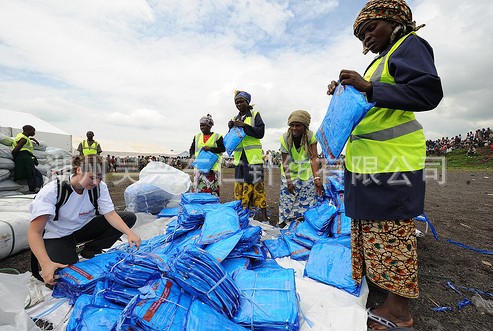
column 292, row 206
column 251, row 195
column 386, row 251
column 206, row 182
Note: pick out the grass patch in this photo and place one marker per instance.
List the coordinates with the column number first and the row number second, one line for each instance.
column 482, row 160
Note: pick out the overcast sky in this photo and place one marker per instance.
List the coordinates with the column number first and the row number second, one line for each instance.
column 146, row 71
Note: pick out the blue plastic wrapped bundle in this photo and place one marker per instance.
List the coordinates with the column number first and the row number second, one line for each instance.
column 256, row 252
column 136, row 270
column 145, row 198
column 239, row 263
column 110, row 294
column 330, row 263
column 277, row 247
column 203, row 318
column 250, row 236
column 221, row 249
column 219, row 223
column 180, row 243
column 268, row 299
column 341, row 225
column 336, row 183
column 87, row 315
column 320, row 215
column 199, row 198
column 81, row 277
column 161, row 305
column 244, row 218
column 347, row 108
column 168, row 212
column 235, row 204
column 296, row 251
column 233, row 138
column 204, row 161
column 306, row 231
column 200, row 275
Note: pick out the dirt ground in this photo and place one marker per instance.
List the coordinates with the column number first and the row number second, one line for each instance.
column 459, row 206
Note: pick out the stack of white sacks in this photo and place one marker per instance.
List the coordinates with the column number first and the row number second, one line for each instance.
column 50, row 160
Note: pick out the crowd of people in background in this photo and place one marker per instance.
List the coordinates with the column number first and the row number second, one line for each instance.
column 473, row 140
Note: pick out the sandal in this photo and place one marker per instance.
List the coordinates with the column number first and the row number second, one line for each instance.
column 391, row 326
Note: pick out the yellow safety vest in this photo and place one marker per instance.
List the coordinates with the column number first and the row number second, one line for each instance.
column 88, row 150
column 252, row 146
column 386, row 140
column 211, row 142
column 28, row 146
column 300, row 165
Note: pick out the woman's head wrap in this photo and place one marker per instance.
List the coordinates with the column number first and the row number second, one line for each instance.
column 390, row 10
column 243, row 95
column 300, row 116
column 207, row 120
column 303, row 117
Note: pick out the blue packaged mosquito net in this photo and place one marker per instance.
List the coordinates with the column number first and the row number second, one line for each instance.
column 239, row 263
column 268, row 299
column 200, row 198
column 201, row 317
column 145, row 198
column 221, row 249
column 320, row 215
column 233, row 138
column 277, row 247
column 135, row 270
column 204, row 161
column 161, row 305
column 87, row 315
column 82, row 277
column 168, row 212
column 219, row 223
column 347, row 108
column 341, row 225
column 202, row 276
column 296, row 250
column 330, row 263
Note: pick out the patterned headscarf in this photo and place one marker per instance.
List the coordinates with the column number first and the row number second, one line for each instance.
column 243, row 95
column 391, row 10
column 207, row 120
column 303, row 117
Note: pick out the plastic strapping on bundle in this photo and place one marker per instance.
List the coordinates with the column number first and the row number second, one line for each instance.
column 217, row 284
column 308, row 321
column 454, row 287
column 13, row 236
column 51, row 309
column 482, row 251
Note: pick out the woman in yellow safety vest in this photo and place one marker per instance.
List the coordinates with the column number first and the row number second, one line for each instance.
column 384, row 185
column 212, row 142
column 300, row 181
column 22, row 152
column 248, row 162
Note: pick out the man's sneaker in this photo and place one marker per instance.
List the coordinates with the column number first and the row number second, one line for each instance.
column 88, row 253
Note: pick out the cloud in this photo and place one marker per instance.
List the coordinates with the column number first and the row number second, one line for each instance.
column 150, row 69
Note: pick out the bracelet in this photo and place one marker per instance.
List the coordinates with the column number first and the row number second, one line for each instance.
column 315, row 178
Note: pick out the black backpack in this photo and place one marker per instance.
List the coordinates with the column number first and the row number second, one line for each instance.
column 64, row 189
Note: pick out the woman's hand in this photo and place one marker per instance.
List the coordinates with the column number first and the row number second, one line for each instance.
column 351, row 77
column 206, row 148
column 230, row 124
column 133, row 239
column 48, row 271
column 319, row 188
column 291, row 187
column 331, row 87
column 239, row 123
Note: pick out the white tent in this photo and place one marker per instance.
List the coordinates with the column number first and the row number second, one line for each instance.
column 11, row 123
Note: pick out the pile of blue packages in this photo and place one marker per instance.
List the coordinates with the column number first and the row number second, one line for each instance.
column 88, row 315
column 200, row 275
column 268, row 299
column 135, row 270
column 219, row 223
column 168, row 212
column 250, row 236
column 277, row 247
column 82, row 277
column 320, row 215
column 202, row 317
column 330, row 263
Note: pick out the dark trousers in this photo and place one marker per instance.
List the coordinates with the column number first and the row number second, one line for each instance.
column 98, row 234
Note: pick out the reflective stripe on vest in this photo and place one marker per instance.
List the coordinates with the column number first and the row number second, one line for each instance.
column 386, row 140
column 249, row 144
column 89, row 150
column 211, row 142
column 299, row 165
column 28, row 146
